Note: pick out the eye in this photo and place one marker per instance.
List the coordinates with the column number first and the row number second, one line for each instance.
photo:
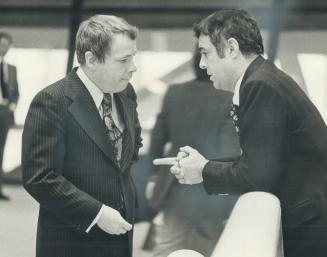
column 204, row 54
column 123, row 60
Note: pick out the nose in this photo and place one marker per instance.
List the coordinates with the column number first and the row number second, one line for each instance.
column 202, row 64
column 133, row 66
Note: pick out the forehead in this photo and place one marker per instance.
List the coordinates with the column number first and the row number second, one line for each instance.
column 204, row 43
column 122, row 45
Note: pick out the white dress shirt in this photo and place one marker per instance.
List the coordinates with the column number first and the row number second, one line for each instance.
column 97, row 96
column 236, row 96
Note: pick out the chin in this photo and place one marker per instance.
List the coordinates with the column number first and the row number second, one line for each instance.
column 122, row 87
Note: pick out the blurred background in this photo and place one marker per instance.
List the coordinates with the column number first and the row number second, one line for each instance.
column 294, row 34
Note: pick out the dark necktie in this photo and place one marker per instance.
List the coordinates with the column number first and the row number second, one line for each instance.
column 2, row 82
column 234, row 115
column 114, row 134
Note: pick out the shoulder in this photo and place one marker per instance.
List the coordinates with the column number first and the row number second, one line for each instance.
column 270, row 75
column 53, row 93
column 267, row 77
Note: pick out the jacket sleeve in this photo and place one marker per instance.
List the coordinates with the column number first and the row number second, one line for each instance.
column 264, row 144
column 43, row 156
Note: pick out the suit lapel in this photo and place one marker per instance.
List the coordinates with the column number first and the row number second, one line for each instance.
column 86, row 114
column 126, row 108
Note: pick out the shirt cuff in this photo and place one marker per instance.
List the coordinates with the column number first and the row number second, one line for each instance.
column 95, row 220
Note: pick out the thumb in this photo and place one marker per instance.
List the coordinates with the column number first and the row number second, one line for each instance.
column 127, row 225
column 181, row 155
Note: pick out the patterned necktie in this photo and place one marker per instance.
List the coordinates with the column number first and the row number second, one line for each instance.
column 112, row 130
column 234, row 115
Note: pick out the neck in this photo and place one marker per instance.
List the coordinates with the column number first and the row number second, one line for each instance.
column 249, row 59
column 90, row 74
column 244, row 63
column 87, row 72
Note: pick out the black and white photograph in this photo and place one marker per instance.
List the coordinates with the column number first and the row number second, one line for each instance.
column 163, row 128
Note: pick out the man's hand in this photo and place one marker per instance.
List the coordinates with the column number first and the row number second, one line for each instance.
column 112, row 222
column 189, row 166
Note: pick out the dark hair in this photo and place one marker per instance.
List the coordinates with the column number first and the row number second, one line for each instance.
column 96, row 35
column 231, row 23
column 200, row 74
column 6, row 36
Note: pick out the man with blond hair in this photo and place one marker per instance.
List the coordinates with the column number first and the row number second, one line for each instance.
column 80, row 138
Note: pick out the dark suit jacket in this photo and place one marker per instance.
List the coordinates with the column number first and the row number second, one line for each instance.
column 284, row 143
column 70, row 169
column 6, row 114
column 193, row 114
column 10, row 78
column 11, row 85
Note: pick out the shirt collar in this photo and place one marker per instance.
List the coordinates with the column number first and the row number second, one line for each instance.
column 95, row 92
column 236, row 97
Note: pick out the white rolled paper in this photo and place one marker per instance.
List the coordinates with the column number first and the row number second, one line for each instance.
column 165, row 161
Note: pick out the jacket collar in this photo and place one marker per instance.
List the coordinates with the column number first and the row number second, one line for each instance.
column 252, row 67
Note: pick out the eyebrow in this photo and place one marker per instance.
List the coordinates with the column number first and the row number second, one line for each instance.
column 127, row 55
column 201, row 49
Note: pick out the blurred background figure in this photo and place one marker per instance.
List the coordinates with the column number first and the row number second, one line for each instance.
column 8, row 98
column 196, row 114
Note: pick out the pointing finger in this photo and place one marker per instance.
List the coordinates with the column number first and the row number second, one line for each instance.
column 165, row 161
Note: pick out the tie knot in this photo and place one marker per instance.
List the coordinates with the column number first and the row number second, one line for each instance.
column 107, row 99
column 234, row 107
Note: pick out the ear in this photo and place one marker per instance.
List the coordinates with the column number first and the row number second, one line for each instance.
column 90, row 59
column 232, row 47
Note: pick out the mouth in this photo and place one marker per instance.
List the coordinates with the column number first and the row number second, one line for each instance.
column 127, row 78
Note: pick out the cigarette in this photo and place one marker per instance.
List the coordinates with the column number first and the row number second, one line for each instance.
column 165, row 161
